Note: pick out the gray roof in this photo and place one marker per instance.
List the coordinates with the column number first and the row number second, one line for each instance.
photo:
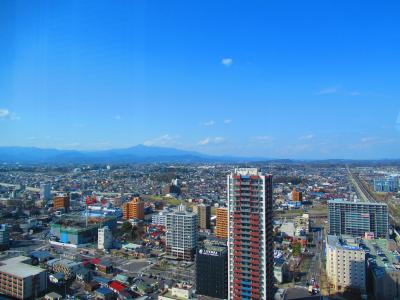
column 19, row 266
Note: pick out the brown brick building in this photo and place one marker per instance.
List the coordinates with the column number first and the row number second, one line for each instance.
column 221, row 228
column 133, row 209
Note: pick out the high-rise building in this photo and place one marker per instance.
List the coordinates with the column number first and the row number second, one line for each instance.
column 61, row 202
column 296, row 195
column 212, row 259
column 203, row 215
column 134, row 209
column 4, row 237
column 357, row 218
column 45, row 191
column 345, row 263
column 250, row 243
column 20, row 280
column 181, row 234
column 221, row 226
column 104, row 238
column 390, row 184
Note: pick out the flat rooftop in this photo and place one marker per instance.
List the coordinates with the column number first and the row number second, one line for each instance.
column 343, row 242
column 343, row 201
column 382, row 256
column 18, row 266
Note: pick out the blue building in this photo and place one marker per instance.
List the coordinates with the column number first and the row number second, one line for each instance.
column 388, row 185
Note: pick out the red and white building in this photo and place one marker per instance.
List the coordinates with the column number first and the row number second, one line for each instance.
column 250, row 241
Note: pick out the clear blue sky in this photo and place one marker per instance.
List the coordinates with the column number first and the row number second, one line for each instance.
column 295, row 79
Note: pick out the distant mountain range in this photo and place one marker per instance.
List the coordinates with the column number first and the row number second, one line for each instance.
column 136, row 154
column 143, row 154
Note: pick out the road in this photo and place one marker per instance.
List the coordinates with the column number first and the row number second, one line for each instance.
column 312, row 265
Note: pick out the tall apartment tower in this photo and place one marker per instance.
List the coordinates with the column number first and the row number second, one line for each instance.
column 250, row 243
column 181, row 234
column 357, row 218
column 203, row 215
column 133, row 209
column 221, row 226
column 45, row 191
column 4, row 237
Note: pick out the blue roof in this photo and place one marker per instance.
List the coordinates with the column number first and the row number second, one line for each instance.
column 101, row 279
column 104, row 291
column 41, row 254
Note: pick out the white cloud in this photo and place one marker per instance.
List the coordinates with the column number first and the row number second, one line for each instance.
column 370, row 141
column 211, row 140
column 327, row 91
column 164, row 140
column 337, row 90
column 5, row 114
column 306, row 137
column 263, row 139
column 227, row 121
column 227, row 61
column 209, row 123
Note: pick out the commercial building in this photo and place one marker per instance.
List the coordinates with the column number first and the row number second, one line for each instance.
column 45, row 191
column 181, row 234
column 297, row 196
column 212, row 259
column 4, row 237
column 345, row 264
column 104, row 238
column 388, row 185
column 134, row 209
column 383, row 268
column 20, row 280
column 61, row 202
column 77, row 231
column 250, row 244
column 203, row 215
column 357, row 218
column 221, row 226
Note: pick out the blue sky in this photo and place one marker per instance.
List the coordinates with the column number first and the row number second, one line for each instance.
column 292, row 79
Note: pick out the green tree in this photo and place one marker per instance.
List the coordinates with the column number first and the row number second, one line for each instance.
column 126, row 226
column 296, row 249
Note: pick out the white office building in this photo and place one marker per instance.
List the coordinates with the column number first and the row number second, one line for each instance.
column 181, row 234
column 104, row 238
column 160, row 218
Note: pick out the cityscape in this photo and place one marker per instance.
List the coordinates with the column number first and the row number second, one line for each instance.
column 199, row 150
column 200, row 231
